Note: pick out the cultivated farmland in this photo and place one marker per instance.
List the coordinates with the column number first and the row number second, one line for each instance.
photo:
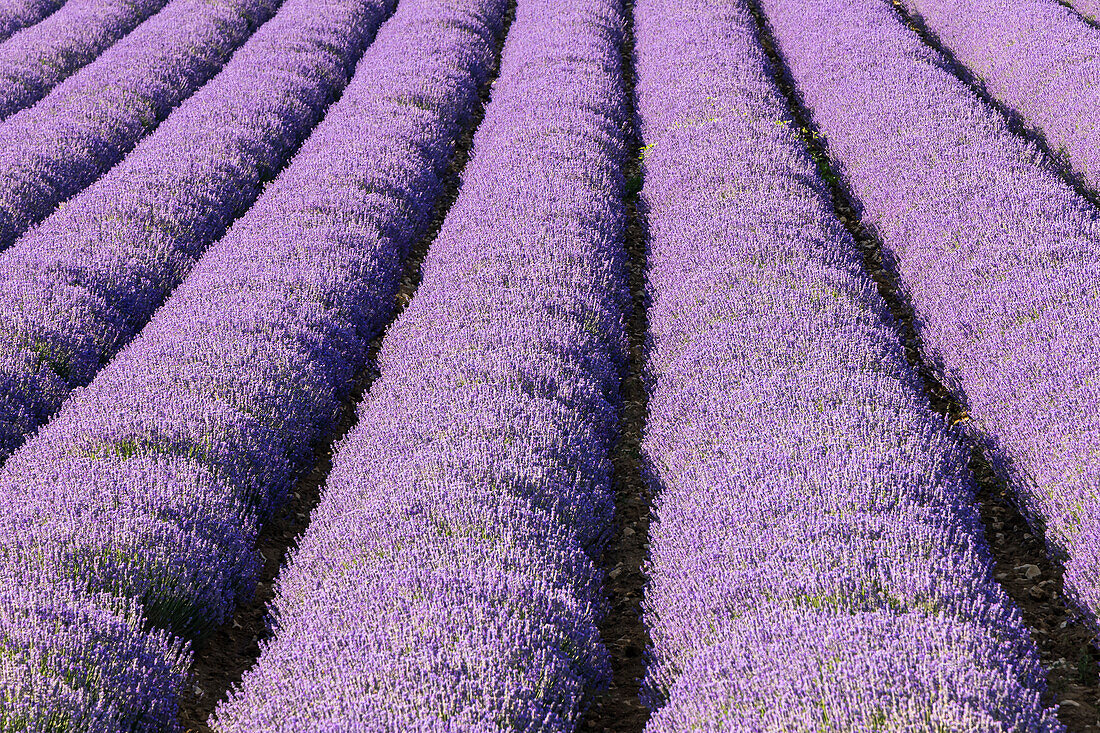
column 549, row 366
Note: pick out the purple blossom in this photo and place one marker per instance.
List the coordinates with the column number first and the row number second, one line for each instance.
column 817, row 561
column 447, row 580
column 16, row 14
column 1037, row 57
column 52, row 150
column 998, row 255
column 81, row 284
column 147, row 491
column 37, row 58
column 791, row 672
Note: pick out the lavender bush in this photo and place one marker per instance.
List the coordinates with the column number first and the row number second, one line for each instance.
column 83, row 282
column 87, row 123
column 16, row 14
column 817, row 561
column 996, row 253
column 1036, row 56
column 447, row 581
column 146, row 493
column 37, row 58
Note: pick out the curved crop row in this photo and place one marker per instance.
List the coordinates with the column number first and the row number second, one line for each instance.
column 998, row 255
column 818, row 562
column 78, row 286
column 35, row 60
column 151, row 484
column 16, row 14
column 446, row 581
column 1036, row 56
column 88, row 122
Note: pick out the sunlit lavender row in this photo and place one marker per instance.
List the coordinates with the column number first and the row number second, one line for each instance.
column 39, row 57
column 150, row 486
column 1039, row 58
column 998, row 254
column 16, row 14
column 817, row 560
column 78, row 286
column 87, row 123
column 449, row 579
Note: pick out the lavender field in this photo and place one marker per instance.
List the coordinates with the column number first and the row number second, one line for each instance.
column 549, row 366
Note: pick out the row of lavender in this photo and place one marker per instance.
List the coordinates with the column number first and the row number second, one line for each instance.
column 37, row 58
column 997, row 254
column 1039, row 58
column 817, row 560
column 138, row 507
column 17, row 14
column 78, row 286
column 88, row 122
column 449, row 579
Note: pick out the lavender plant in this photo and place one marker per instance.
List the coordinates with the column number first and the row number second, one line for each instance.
column 817, row 561
column 996, row 253
column 1039, row 58
column 37, row 58
column 139, row 506
column 447, row 580
column 52, row 150
column 78, row 286
column 16, row 14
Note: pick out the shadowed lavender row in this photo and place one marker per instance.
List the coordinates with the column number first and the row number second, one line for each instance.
column 88, row 122
column 151, row 484
column 817, row 562
column 1036, row 56
column 997, row 254
column 447, row 579
column 37, row 58
column 78, row 286
column 16, row 14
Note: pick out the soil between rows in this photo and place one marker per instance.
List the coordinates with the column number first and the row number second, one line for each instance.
column 619, row 708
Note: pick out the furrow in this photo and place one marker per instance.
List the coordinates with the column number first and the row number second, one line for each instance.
column 618, row 708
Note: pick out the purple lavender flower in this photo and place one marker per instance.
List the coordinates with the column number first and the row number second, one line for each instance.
column 997, row 254
column 146, row 493
column 817, row 560
column 37, row 58
column 858, row 672
column 447, row 580
column 52, row 150
column 16, row 14
column 81, row 284
column 1036, row 56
